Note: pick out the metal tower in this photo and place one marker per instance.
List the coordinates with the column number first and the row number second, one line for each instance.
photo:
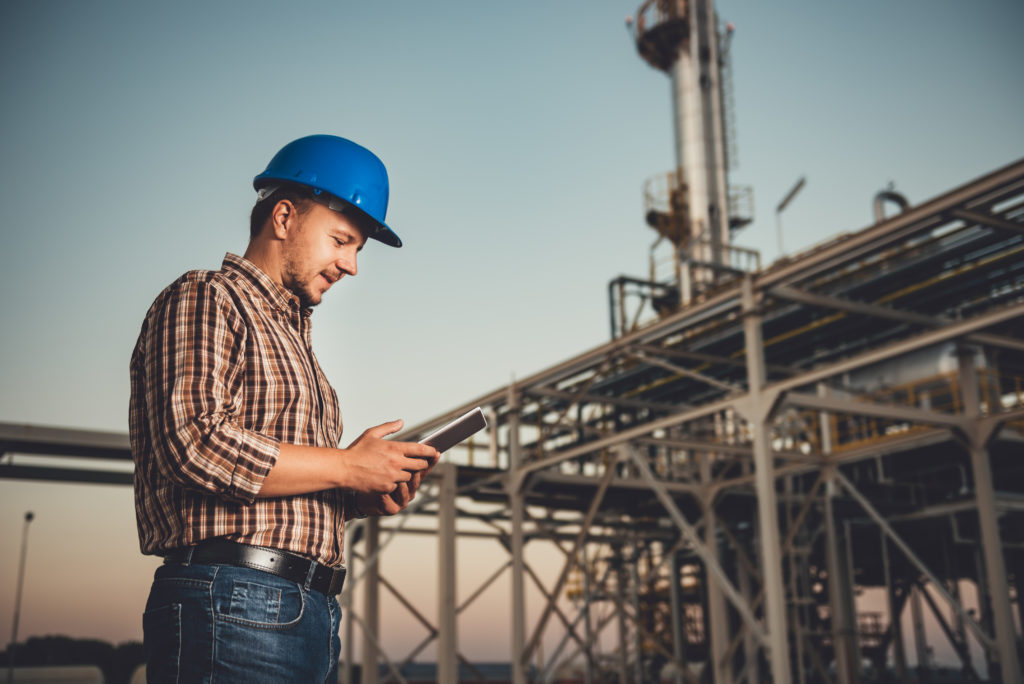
column 690, row 206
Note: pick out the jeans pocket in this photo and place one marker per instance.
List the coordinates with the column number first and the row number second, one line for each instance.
column 161, row 629
column 254, row 602
column 262, row 605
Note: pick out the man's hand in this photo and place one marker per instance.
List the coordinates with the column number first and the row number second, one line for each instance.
column 386, row 474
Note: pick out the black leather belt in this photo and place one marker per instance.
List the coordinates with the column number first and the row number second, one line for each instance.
column 290, row 566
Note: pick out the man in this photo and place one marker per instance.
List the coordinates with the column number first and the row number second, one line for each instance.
column 239, row 483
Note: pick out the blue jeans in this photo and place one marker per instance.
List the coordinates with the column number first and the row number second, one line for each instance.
column 222, row 624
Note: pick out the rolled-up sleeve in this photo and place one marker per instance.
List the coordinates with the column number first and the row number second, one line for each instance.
column 195, row 370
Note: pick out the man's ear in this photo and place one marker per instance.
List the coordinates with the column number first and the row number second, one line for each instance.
column 280, row 215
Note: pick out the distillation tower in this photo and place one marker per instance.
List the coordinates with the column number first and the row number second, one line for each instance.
column 692, row 208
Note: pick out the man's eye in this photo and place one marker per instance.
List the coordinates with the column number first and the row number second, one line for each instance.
column 339, row 242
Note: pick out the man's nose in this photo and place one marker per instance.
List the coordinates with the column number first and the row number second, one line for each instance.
column 347, row 264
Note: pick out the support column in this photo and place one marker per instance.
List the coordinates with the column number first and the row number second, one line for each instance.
column 985, row 608
column 675, row 610
column 920, row 640
column 447, row 642
column 838, row 589
column 1018, row 576
column 718, row 616
column 620, row 608
column 347, row 664
column 750, row 650
column 899, row 652
column 588, row 594
column 796, row 624
column 759, row 409
column 988, row 522
column 634, row 594
column 371, row 602
column 953, row 587
column 516, row 506
column 846, row 669
column 851, row 596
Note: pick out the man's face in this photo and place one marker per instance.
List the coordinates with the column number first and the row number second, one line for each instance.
column 320, row 249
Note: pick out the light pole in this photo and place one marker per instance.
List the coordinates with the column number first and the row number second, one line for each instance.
column 17, row 598
column 782, row 205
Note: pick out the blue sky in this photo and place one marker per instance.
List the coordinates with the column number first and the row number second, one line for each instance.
column 517, row 136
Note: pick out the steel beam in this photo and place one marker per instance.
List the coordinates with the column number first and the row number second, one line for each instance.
column 516, row 540
column 78, row 475
column 878, row 311
column 712, row 359
column 371, row 602
column 920, row 638
column 447, row 642
column 850, row 306
column 686, row 372
column 676, row 615
column 718, row 616
column 764, row 483
column 841, row 591
column 991, row 542
column 56, row 441
column 899, row 653
column 984, row 218
column 347, row 666
column 834, row 404
column 624, row 402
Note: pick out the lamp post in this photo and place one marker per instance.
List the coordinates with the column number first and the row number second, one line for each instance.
column 17, row 598
column 782, row 205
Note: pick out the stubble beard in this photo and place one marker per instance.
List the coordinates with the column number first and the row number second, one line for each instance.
column 302, row 288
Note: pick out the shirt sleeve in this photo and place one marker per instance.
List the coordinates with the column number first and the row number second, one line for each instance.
column 195, row 361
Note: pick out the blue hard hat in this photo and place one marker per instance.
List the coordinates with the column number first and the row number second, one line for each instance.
column 340, row 168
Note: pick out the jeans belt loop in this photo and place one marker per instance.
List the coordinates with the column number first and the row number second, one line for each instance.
column 309, row 575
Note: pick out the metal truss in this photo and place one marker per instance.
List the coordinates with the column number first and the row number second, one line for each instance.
column 722, row 443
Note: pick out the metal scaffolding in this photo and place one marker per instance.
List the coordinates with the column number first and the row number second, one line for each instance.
column 721, row 483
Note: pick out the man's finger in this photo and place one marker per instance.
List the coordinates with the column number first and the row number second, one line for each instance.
column 416, row 464
column 384, row 429
column 402, row 495
column 418, row 450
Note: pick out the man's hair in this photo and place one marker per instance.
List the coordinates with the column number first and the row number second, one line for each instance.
column 299, row 195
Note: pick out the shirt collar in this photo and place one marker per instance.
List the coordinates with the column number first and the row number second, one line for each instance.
column 275, row 294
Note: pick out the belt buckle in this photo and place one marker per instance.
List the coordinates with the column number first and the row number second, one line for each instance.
column 337, row 578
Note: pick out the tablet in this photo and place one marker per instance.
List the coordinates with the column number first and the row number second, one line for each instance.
column 457, row 430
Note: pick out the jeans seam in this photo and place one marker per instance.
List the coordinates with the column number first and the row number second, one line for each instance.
column 177, row 657
column 330, row 637
column 211, row 668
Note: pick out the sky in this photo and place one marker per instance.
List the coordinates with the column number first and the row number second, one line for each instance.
column 517, row 136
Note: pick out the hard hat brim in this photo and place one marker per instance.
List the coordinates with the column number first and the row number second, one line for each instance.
column 266, row 186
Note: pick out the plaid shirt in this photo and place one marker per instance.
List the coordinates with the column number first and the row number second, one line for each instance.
column 222, row 374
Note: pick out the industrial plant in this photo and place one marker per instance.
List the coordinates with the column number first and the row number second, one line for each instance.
column 804, row 471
